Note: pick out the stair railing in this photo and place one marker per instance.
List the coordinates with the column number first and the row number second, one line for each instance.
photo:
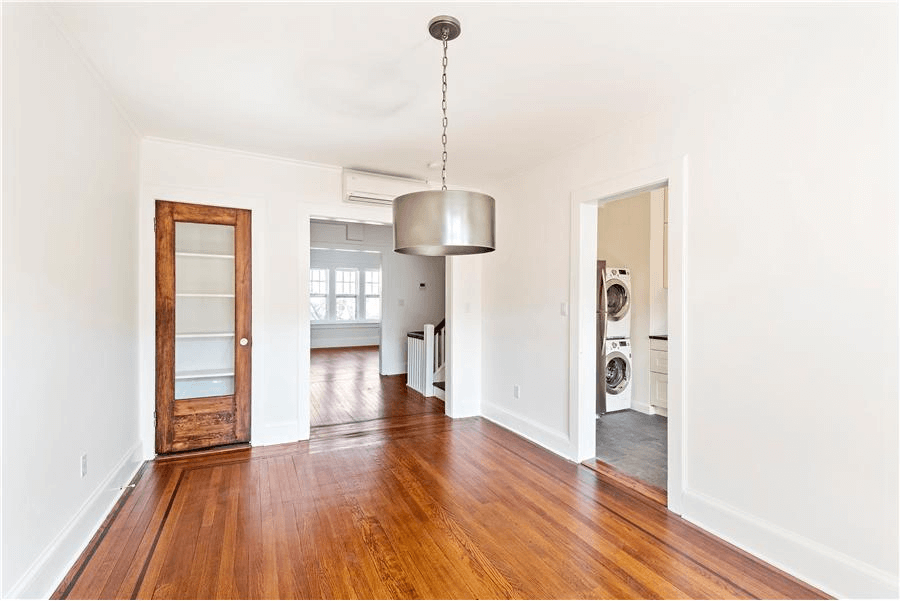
column 415, row 361
column 425, row 357
column 440, row 345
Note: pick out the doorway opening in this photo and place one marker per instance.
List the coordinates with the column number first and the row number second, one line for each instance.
column 586, row 340
column 363, row 300
column 632, row 338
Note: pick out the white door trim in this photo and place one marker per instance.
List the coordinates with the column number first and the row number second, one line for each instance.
column 582, row 326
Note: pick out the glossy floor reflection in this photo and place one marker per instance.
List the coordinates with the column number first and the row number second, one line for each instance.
column 418, row 506
column 345, row 387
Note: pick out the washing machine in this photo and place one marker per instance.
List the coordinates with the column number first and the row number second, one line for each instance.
column 618, row 302
column 618, row 374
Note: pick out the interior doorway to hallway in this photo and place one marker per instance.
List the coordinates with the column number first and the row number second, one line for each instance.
column 364, row 298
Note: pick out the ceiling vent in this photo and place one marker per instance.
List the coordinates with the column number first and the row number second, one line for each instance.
column 375, row 189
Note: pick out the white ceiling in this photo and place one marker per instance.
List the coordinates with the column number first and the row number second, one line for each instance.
column 358, row 85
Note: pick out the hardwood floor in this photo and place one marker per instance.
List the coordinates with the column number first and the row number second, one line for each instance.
column 415, row 506
column 345, row 386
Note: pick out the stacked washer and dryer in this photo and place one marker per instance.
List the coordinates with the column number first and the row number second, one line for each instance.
column 617, row 341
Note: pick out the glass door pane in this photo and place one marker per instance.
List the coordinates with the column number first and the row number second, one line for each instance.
column 204, row 310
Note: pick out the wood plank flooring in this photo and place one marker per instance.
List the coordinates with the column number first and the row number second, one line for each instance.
column 416, row 506
column 345, row 386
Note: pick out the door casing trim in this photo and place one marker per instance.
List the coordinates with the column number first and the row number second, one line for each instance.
column 582, row 330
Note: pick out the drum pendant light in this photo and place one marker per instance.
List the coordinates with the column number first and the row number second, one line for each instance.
column 444, row 222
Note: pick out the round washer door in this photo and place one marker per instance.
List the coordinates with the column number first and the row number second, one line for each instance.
column 618, row 372
column 618, row 300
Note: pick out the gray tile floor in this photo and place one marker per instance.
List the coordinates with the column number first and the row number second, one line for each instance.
column 634, row 443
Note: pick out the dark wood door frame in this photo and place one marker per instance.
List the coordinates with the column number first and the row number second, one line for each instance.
column 208, row 421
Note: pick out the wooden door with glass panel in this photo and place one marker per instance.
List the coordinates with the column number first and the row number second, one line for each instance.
column 202, row 326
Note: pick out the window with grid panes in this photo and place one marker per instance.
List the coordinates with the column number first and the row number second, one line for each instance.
column 346, row 291
column 373, row 294
column 318, row 294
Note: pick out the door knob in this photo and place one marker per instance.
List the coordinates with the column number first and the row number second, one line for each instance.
column 244, row 341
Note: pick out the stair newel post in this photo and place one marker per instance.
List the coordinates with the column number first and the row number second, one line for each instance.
column 429, row 360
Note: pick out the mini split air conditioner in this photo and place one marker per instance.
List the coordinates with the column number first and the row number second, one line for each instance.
column 375, row 189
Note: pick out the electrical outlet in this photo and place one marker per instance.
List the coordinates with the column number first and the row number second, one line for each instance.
column 564, row 309
column 84, row 465
column 515, row 391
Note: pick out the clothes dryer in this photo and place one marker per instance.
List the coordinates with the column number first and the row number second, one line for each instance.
column 618, row 374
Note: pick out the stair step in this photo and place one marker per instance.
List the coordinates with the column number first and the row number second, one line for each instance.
column 441, row 385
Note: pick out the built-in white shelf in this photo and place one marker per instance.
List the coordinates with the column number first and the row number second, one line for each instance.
column 205, row 373
column 206, row 335
column 180, row 253
column 202, row 295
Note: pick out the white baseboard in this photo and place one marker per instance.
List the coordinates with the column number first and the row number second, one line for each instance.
column 54, row 562
column 277, row 433
column 831, row 571
column 552, row 440
column 394, row 372
column 642, row 407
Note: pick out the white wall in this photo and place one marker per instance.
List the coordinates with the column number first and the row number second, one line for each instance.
column 463, row 344
column 792, row 203
column 284, row 196
column 623, row 240
column 405, row 305
column 69, row 343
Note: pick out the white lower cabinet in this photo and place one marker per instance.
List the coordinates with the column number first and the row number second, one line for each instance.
column 659, row 375
column 658, row 384
column 659, row 361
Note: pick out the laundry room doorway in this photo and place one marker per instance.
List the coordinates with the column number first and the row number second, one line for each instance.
column 631, row 429
column 627, row 329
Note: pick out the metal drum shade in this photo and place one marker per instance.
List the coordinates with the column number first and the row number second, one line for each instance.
column 437, row 223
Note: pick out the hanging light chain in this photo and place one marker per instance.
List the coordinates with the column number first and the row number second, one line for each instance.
column 444, row 37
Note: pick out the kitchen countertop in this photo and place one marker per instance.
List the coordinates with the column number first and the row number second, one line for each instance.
column 659, row 336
